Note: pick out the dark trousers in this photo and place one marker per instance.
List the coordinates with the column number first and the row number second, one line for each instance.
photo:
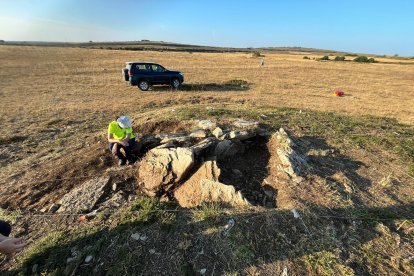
column 127, row 149
column 5, row 228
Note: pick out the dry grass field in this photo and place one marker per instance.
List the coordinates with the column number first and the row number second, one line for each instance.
column 47, row 83
column 357, row 205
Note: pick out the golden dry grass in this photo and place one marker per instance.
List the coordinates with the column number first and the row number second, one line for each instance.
column 45, row 83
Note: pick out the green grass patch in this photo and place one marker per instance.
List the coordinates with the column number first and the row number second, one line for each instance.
column 208, row 212
column 326, row 263
column 9, row 216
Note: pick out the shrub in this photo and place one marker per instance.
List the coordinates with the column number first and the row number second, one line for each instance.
column 364, row 59
column 257, row 54
column 306, row 57
column 324, row 58
column 339, row 58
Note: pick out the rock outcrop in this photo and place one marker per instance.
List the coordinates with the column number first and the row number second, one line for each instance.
column 203, row 186
column 291, row 162
column 164, row 166
column 84, row 197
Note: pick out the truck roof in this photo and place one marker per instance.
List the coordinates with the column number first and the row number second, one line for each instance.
column 131, row 62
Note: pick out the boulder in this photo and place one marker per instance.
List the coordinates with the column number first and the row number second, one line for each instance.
column 199, row 133
column 194, row 194
column 164, row 166
column 227, row 148
column 204, row 144
column 291, row 162
column 203, row 186
column 241, row 135
column 240, row 123
column 206, row 124
column 180, row 138
column 84, row 197
column 218, row 132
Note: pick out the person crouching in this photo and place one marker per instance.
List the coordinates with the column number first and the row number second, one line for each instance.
column 121, row 139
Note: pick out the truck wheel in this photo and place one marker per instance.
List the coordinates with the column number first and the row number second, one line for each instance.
column 143, row 85
column 175, row 83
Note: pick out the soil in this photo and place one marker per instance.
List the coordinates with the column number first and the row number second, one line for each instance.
column 247, row 172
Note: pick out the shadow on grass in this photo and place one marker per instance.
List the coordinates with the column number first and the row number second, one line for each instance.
column 213, row 87
column 330, row 164
column 171, row 241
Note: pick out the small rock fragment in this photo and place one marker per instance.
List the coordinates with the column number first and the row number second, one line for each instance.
column 88, row 258
column 217, row 132
column 71, row 259
column 295, row 213
column 34, row 268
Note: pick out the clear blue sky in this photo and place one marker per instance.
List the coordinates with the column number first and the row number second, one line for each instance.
column 365, row 26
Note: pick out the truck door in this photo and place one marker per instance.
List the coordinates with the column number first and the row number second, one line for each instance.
column 160, row 74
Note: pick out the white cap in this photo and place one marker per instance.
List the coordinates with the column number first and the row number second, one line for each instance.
column 124, row 122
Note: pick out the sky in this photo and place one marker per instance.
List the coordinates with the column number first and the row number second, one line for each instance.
column 365, row 26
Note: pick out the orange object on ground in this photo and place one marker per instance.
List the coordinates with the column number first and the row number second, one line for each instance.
column 339, row 93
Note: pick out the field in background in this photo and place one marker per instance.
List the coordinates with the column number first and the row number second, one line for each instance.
column 84, row 82
column 57, row 102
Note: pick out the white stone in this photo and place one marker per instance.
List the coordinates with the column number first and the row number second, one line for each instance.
column 245, row 124
column 88, row 258
column 198, row 134
column 217, row 132
column 206, row 124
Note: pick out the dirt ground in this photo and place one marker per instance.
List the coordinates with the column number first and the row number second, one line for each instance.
column 57, row 102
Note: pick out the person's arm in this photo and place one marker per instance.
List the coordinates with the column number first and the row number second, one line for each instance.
column 111, row 139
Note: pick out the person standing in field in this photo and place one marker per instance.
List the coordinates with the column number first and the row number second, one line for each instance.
column 262, row 61
column 121, row 139
column 8, row 244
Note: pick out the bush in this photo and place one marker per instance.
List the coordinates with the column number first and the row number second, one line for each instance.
column 364, row 59
column 339, row 58
column 257, row 54
column 306, row 57
column 324, row 58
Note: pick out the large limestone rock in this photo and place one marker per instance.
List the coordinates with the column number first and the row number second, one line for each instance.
column 240, row 123
column 291, row 162
column 226, row 149
column 199, row 133
column 241, row 135
column 203, row 186
column 163, row 166
column 84, row 197
column 204, row 144
column 206, row 124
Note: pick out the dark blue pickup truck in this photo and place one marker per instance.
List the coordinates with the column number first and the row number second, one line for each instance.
column 145, row 74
